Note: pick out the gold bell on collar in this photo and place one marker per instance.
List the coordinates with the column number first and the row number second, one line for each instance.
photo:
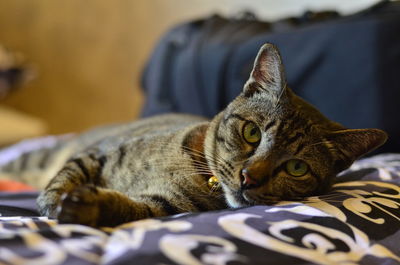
column 213, row 182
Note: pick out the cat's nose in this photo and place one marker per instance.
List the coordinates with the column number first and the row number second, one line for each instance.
column 255, row 174
column 248, row 181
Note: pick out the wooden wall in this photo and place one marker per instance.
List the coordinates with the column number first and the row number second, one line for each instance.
column 89, row 53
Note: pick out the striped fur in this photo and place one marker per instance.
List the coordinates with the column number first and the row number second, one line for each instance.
column 160, row 166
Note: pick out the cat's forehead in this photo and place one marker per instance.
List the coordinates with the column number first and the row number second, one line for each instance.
column 258, row 109
column 263, row 108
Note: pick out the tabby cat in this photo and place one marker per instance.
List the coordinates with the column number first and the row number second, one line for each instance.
column 267, row 145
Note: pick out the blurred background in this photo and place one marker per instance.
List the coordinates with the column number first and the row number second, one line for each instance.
column 85, row 58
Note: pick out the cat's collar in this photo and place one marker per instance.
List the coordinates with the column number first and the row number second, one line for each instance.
column 213, row 183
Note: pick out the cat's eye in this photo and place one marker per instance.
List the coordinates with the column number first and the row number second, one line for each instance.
column 296, row 167
column 251, row 133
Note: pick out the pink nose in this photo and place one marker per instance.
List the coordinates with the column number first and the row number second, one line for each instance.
column 255, row 173
column 247, row 181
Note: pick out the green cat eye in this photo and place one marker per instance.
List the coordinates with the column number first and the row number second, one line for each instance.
column 296, row 167
column 251, row 133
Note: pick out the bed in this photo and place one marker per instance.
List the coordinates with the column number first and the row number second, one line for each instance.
column 358, row 222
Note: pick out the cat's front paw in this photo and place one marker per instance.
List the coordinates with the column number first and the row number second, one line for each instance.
column 47, row 203
column 80, row 206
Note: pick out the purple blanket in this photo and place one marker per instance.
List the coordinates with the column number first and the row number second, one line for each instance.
column 356, row 223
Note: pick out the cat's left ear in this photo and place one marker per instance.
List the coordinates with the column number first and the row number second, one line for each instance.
column 354, row 143
column 267, row 74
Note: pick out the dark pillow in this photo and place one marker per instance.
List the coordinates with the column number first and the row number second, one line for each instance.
column 348, row 67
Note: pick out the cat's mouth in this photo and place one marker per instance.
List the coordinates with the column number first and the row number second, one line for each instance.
column 242, row 195
column 233, row 194
column 253, row 199
column 239, row 196
column 235, row 198
column 242, row 198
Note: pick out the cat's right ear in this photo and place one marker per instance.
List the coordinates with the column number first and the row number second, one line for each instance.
column 267, row 74
column 354, row 143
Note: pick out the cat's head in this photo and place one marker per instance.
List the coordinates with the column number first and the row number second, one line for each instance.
column 269, row 144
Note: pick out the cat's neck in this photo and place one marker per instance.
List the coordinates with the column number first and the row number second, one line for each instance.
column 194, row 146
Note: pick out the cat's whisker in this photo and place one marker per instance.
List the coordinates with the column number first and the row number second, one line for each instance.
column 279, row 99
column 330, row 195
column 180, row 167
column 318, row 143
column 162, row 161
column 215, row 159
column 204, row 155
column 199, row 154
column 324, row 199
column 191, row 171
column 337, row 195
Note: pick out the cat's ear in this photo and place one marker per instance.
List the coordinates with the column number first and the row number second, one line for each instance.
column 354, row 143
column 267, row 74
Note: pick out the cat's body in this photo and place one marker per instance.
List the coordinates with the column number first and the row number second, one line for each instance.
column 267, row 145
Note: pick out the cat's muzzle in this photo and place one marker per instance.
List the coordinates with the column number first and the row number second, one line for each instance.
column 247, row 181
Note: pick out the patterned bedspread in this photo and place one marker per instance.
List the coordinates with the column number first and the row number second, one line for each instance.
column 357, row 223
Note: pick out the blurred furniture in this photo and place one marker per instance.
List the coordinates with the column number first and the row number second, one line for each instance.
column 15, row 126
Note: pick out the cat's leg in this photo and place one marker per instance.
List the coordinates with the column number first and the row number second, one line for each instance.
column 95, row 206
column 76, row 172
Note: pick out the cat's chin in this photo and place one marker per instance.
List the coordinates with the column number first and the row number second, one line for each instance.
column 236, row 199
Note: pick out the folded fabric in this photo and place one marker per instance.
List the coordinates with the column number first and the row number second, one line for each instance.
column 11, row 185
